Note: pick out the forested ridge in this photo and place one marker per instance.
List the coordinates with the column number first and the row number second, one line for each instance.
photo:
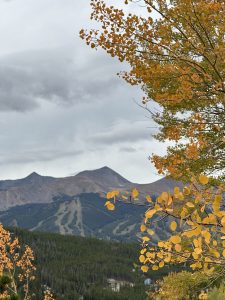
column 75, row 266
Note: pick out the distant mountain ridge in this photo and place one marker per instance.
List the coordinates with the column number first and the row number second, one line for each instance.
column 74, row 205
column 43, row 189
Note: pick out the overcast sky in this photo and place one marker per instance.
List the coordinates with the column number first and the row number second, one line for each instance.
column 62, row 107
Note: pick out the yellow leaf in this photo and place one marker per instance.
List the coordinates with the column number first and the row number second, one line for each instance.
column 169, row 209
column 141, row 258
column 149, row 199
column 144, row 269
column 211, row 219
column 223, row 221
column 178, row 247
column 143, row 227
column 218, row 198
column 183, row 213
column 161, row 244
column 143, row 250
column 223, row 253
column 214, row 243
column 189, row 222
column 149, row 213
column 170, row 201
column 197, row 265
column 134, row 193
column 161, row 264
column 173, row 226
column 164, row 196
column 175, row 239
column 176, row 190
column 148, row 254
column 146, row 239
column 195, row 255
column 198, row 250
column 112, row 194
column 214, row 253
column 208, row 259
column 150, row 231
column 191, row 233
column 155, row 268
column 168, row 258
column 186, row 191
column 109, row 205
column 203, row 179
column 196, row 217
column 190, row 204
column 160, row 255
column 158, row 207
column 180, row 196
column 109, row 195
column 207, row 236
column 196, row 243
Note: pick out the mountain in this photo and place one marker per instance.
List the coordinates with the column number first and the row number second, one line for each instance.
column 75, row 205
column 83, row 215
column 105, row 177
column 43, row 189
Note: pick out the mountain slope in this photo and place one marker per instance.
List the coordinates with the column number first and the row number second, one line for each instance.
column 83, row 215
column 43, row 189
column 75, row 205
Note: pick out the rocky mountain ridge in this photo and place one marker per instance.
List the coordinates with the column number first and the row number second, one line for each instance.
column 75, row 205
column 43, row 189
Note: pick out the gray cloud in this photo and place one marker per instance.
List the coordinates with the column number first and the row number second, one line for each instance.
column 122, row 133
column 62, row 107
column 37, row 156
column 52, row 76
column 128, row 149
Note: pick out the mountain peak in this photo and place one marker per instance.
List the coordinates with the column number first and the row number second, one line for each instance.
column 101, row 171
column 106, row 168
column 104, row 175
column 33, row 175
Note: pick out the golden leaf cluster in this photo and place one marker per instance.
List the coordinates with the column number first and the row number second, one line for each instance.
column 178, row 59
column 48, row 294
column 17, row 264
column 197, row 217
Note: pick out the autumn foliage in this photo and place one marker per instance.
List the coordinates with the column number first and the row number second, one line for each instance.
column 48, row 294
column 175, row 50
column 16, row 269
column 196, row 219
column 176, row 53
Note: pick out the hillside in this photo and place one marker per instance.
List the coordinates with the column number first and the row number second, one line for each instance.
column 83, row 215
column 70, row 266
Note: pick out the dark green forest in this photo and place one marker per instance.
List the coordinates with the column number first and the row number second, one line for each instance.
column 78, row 268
